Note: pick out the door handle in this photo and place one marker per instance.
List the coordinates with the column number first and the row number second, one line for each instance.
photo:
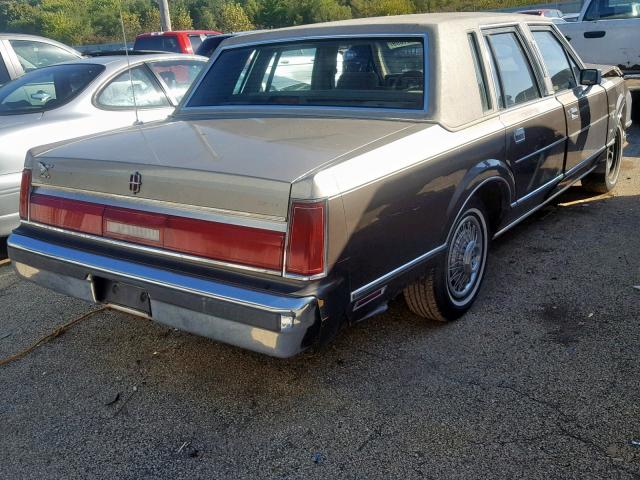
column 595, row 34
column 518, row 135
column 574, row 113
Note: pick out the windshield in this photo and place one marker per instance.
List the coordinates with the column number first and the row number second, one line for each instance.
column 159, row 43
column 374, row 73
column 46, row 88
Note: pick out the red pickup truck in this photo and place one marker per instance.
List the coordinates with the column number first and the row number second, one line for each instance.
column 178, row 41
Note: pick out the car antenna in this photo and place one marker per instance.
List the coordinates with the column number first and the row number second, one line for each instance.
column 126, row 53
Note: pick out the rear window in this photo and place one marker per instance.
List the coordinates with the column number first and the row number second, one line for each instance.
column 374, row 73
column 177, row 75
column 46, row 88
column 159, row 43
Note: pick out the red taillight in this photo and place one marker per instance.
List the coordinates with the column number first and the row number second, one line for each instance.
column 25, row 189
column 222, row 241
column 64, row 213
column 306, row 249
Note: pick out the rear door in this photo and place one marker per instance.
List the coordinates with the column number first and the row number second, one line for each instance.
column 535, row 124
column 586, row 108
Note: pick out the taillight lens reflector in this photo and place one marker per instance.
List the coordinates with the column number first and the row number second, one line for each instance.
column 25, row 189
column 70, row 214
column 306, row 249
column 135, row 226
column 222, row 241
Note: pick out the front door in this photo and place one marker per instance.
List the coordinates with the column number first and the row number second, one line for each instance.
column 585, row 108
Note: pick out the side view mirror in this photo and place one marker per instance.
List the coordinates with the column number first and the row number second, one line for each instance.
column 590, row 76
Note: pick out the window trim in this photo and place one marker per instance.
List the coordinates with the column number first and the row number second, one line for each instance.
column 107, row 82
column 478, row 60
column 367, row 111
column 526, row 49
column 540, row 28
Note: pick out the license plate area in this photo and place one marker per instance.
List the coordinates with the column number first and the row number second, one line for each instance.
column 121, row 294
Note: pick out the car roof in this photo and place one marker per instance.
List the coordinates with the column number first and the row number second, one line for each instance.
column 24, row 36
column 396, row 25
column 172, row 32
column 114, row 63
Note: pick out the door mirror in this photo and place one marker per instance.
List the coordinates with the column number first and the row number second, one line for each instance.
column 590, row 76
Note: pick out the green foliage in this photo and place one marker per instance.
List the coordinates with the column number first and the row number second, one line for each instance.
column 233, row 18
column 95, row 21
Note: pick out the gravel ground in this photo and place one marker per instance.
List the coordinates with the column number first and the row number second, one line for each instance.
column 539, row 380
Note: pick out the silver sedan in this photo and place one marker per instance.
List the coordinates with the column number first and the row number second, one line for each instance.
column 80, row 98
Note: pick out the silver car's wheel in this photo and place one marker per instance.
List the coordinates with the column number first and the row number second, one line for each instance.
column 449, row 289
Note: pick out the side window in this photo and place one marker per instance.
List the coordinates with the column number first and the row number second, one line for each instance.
column 131, row 90
column 514, row 71
column 480, row 76
column 613, row 10
column 4, row 73
column 196, row 41
column 34, row 55
column 555, row 58
column 293, row 70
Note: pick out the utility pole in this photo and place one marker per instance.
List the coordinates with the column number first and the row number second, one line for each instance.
column 165, row 17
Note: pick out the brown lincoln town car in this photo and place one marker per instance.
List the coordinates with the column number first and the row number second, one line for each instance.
column 313, row 173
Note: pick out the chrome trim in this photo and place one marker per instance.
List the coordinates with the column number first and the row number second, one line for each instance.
column 583, row 162
column 548, row 184
column 182, row 107
column 211, row 214
column 164, row 278
column 152, row 250
column 538, row 207
column 358, row 293
column 539, row 151
column 606, row 117
column 379, row 293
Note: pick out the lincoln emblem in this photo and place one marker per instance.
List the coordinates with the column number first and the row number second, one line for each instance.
column 135, row 182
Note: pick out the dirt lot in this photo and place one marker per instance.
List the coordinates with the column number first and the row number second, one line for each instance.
column 539, row 380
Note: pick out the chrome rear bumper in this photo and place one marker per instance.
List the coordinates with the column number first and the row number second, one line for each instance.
column 239, row 316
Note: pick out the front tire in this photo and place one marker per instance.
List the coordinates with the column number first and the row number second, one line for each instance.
column 450, row 288
column 603, row 182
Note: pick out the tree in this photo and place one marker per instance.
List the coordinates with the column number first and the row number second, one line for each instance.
column 379, row 8
column 180, row 17
column 233, row 18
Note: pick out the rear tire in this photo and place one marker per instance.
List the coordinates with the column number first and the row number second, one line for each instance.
column 603, row 182
column 449, row 289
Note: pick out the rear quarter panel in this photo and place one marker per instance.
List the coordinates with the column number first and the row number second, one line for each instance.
column 420, row 182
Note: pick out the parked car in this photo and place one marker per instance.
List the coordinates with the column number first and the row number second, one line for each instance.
column 83, row 97
column 608, row 32
column 177, row 41
column 266, row 217
column 209, row 44
column 543, row 12
column 20, row 54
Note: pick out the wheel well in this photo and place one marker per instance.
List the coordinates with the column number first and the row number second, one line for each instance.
column 495, row 197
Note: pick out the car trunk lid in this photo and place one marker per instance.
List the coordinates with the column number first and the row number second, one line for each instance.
column 237, row 165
